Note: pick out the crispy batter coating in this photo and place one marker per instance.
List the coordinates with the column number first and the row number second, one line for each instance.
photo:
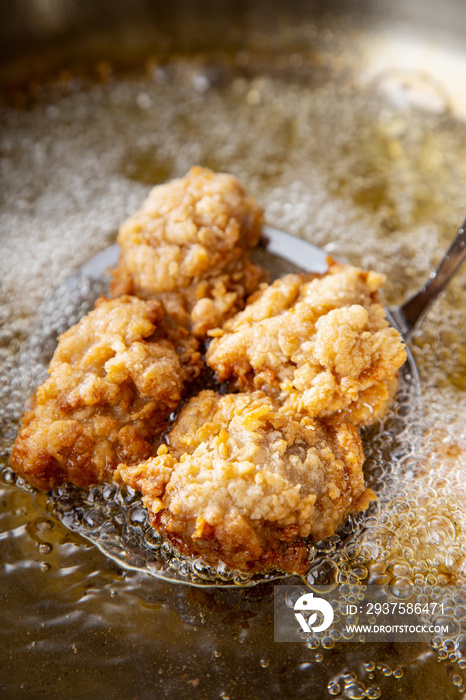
column 112, row 386
column 317, row 343
column 187, row 346
column 248, row 477
column 189, row 246
column 245, row 482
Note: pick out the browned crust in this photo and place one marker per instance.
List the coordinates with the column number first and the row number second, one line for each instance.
column 112, row 385
column 188, row 246
column 247, row 483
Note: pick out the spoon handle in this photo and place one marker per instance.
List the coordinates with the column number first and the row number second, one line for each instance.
column 410, row 315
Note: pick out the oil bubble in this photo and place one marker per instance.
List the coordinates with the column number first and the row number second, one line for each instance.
column 333, row 688
column 45, row 548
column 357, row 691
column 313, row 643
column 328, row 643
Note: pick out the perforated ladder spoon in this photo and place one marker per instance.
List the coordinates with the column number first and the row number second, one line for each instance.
column 409, row 316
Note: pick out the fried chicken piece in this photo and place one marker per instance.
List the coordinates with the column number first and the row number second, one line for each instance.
column 111, row 388
column 319, row 344
column 189, row 247
column 245, row 483
column 186, row 345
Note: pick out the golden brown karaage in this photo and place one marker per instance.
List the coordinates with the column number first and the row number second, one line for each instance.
column 247, row 477
column 112, row 386
column 189, row 247
column 318, row 344
column 245, row 483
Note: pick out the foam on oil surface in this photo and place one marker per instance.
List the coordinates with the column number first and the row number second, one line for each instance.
column 342, row 168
